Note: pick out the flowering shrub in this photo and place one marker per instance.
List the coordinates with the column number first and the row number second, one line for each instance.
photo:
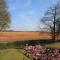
column 39, row 52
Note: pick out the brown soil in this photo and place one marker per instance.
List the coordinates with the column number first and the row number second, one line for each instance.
column 13, row 36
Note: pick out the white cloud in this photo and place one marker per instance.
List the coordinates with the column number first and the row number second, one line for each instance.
column 26, row 21
column 24, row 28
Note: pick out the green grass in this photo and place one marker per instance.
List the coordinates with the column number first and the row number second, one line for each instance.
column 12, row 54
column 54, row 45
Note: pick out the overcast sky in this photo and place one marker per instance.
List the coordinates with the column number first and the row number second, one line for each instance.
column 25, row 14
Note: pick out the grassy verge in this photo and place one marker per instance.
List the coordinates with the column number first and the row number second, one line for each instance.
column 54, row 45
column 12, row 54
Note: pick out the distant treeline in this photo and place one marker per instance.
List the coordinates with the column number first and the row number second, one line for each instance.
column 21, row 44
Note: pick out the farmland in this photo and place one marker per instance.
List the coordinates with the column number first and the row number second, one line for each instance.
column 9, row 50
column 13, row 36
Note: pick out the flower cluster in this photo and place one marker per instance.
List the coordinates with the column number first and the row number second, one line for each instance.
column 39, row 52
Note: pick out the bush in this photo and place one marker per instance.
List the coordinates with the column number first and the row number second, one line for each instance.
column 21, row 44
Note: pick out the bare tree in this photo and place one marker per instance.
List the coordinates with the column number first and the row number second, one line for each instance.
column 51, row 18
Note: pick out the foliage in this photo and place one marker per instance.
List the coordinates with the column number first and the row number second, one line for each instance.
column 4, row 16
column 21, row 44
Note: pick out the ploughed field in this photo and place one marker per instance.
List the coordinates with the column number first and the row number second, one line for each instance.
column 18, row 36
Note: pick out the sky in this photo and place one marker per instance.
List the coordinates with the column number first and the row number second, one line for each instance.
column 26, row 14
